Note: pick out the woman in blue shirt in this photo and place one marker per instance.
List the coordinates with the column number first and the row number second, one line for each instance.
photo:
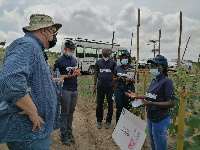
column 158, row 99
column 123, row 83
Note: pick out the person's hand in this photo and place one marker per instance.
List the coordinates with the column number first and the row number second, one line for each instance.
column 69, row 75
column 131, row 94
column 145, row 102
column 35, row 119
column 94, row 90
column 127, row 80
column 78, row 72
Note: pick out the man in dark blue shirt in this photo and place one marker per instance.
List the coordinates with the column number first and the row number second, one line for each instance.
column 104, row 72
column 67, row 67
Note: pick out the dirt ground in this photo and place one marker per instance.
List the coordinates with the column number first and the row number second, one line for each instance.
column 86, row 134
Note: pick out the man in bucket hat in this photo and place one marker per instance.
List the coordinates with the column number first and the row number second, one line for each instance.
column 29, row 104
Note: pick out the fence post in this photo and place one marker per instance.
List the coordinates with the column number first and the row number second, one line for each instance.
column 181, row 119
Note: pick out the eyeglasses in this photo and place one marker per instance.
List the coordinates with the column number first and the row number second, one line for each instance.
column 54, row 32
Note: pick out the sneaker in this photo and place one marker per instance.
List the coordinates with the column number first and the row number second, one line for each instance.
column 99, row 125
column 71, row 137
column 108, row 124
column 66, row 140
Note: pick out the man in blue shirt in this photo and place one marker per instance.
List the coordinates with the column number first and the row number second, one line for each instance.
column 104, row 69
column 29, row 106
column 67, row 66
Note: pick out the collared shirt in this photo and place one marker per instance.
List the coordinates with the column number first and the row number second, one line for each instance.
column 121, row 69
column 62, row 63
column 105, row 71
column 160, row 90
column 24, row 70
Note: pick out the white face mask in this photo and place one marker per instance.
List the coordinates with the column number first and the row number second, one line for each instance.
column 105, row 58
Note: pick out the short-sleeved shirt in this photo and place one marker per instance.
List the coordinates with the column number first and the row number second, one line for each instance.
column 121, row 69
column 62, row 63
column 105, row 71
column 160, row 90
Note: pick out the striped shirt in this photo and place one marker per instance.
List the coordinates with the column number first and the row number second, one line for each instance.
column 24, row 70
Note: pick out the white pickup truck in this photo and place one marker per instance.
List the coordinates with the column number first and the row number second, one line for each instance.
column 172, row 65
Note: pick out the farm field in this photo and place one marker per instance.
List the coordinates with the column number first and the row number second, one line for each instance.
column 87, row 136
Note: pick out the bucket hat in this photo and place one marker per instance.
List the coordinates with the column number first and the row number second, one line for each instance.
column 159, row 59
column 38, row 21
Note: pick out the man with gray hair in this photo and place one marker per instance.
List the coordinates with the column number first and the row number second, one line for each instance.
column 29, row 103
column 104, row 69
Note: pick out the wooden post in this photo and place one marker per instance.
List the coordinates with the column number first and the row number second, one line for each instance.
column 181, row 119
column 112, row 43
column 185, row 48
column 179, row 46
column 144, row 92
column 138, row 26
column 159, row 42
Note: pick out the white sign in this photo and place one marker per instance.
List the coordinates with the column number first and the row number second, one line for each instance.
column 129, row 133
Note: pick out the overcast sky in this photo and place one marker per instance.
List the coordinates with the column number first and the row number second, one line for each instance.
column 97, row 19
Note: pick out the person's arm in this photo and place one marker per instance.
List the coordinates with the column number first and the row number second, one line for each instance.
column 168, row 104
column 29, row 108
column 134, row 95
column 129, row 80
column 69, row 75
column 95, row 82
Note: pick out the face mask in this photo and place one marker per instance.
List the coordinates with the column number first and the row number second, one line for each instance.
column 105, row 58
column 70, row 54
column 124, row 61
column 53, row 42
column 154, row 72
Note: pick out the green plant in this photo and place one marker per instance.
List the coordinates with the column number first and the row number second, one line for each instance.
column 192, row 121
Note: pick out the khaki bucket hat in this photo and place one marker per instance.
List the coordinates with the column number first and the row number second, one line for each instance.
column 38, row 21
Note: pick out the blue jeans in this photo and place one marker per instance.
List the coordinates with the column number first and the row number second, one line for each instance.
column 158, row 133
column 40, row 144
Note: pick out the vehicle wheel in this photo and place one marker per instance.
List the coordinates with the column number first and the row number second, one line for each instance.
column 91, row 70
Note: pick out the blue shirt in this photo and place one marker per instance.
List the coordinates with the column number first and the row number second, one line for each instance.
column 160, row 90
column 24, row 70
column 121, row 69
column 62, row 63
column 105, row 71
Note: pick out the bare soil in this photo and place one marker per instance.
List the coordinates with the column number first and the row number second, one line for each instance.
column 86, row 134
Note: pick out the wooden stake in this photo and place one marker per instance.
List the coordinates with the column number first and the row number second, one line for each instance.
column 143, row 114
column 138, row 26
column 181, row 119
column 179, row 46
column 185, row 48
column 159, row 42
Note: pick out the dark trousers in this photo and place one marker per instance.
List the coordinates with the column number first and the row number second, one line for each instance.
column 68, row 105
column 122, row 100
column 103, row 91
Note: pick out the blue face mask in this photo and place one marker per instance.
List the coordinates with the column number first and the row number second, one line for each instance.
column 70, row 54
column 124, row 61
column 154, row 72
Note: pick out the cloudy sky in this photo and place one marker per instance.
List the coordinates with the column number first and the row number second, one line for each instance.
column 97, row 19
